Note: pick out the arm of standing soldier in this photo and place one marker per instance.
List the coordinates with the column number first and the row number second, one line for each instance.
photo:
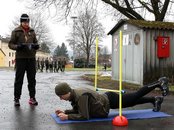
column 12, row 43
column 35, row 46
column 83, row 110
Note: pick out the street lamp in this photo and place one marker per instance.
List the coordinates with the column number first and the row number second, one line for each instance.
column 74, row 20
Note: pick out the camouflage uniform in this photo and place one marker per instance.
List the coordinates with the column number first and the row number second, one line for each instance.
column 25, row 59
column 87, row 104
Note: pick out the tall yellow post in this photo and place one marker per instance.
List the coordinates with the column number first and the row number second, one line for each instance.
column 120, row 76
column 120, row 120
column 96, row 63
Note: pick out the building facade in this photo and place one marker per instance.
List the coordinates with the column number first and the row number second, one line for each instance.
column 42, row 55
column 2, row 58
column 7, row 56
column 147, row 50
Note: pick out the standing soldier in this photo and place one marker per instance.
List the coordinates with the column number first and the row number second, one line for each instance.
column 59, row 65
column 105, row 66
column 47, row 64
column 23, row 40
column 42, row 64
column 37, row 64
column 55, row 65
column 51, row 65
column 63, row 64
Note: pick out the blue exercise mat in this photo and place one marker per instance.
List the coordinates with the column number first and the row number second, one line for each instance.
column 129, row 114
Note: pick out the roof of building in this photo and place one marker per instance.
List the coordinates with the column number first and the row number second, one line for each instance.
column 144, row 25
column 2, row 51
column 5, row 40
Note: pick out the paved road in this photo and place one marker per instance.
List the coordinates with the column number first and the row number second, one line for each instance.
column 27, row 117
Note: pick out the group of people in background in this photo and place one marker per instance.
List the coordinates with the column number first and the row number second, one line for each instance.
column 50, row 65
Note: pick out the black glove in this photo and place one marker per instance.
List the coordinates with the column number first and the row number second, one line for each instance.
column 35, row 46
column 20, row 46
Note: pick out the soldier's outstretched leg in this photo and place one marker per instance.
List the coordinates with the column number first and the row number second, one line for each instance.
column 164, row 85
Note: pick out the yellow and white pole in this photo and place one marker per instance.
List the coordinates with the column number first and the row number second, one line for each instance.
column 120, row 75
column 96, row 63
column 120, row 120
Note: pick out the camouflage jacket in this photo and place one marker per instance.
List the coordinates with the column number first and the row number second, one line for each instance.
column 87, row 104
column 19, row 36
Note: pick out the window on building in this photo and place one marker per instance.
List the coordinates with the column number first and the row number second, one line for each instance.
column 9, row 54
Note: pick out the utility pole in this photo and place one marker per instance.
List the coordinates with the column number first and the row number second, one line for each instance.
column 74, row 20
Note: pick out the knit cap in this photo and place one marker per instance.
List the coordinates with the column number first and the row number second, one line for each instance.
column 24, row 18
column 62, row 89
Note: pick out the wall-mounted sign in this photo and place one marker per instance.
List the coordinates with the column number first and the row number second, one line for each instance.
column 125, row 39
column 163, row 50
column 137, row 39
column 115, row 43
column 125, row 27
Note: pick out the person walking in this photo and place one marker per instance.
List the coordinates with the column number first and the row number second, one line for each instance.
column 55, row 65
column 63, row 64
column 51, row 65
column 38, row 64
column 87, row 103
column 42, row 64
column 24, row 41
column 59, row 65
column 46, row 64
column 105, row 66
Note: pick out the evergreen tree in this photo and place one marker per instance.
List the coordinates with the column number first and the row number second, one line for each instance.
column 57, row 51
column 44, row 48
column 61, row 51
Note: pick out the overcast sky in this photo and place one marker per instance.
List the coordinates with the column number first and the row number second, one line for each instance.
column 9, row 9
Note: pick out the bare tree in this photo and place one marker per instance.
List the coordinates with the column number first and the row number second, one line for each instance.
column 86, row 29
column 37, row 22
column 133, row 8
column 129, row 8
